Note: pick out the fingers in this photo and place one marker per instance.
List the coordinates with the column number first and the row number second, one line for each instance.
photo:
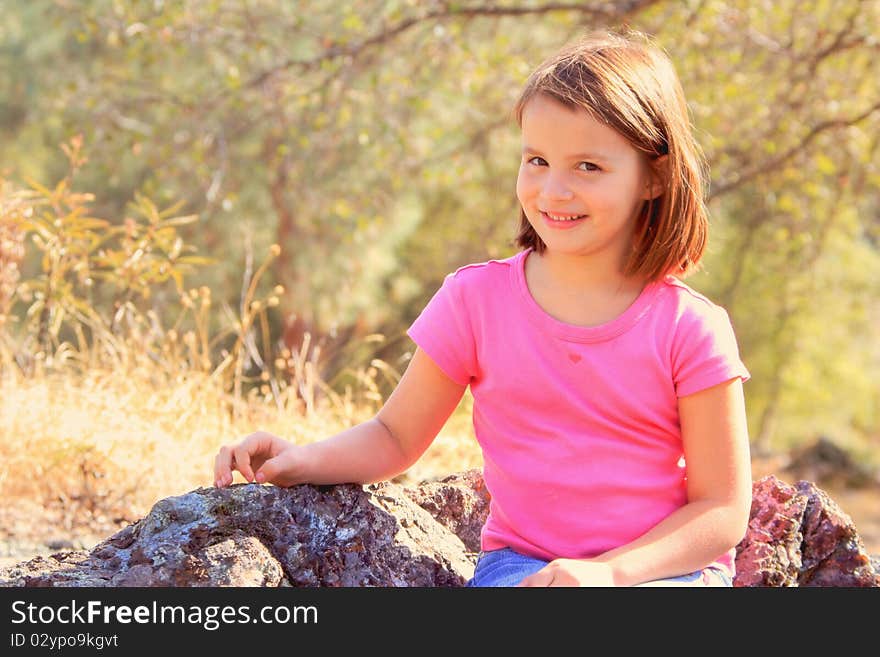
column 223, row 467
column 572, row 572
column 243, row 456
column 542, row 578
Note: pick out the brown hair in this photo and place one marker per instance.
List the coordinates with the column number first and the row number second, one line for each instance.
column 625, row 81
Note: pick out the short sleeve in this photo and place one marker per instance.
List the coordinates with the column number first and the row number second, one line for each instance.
column 705, row 351
column 444, row 332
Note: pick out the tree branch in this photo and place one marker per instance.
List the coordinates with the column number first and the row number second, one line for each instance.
column 605, row 10
column 735, row 181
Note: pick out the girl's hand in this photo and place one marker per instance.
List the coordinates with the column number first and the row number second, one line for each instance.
column 571, row 572
column 259, row 457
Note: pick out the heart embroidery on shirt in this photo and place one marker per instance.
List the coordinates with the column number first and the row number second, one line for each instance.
column 574, row 358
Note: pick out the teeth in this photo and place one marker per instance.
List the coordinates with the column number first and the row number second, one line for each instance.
column 563, row 217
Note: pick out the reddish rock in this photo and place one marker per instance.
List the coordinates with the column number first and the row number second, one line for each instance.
column 798, row 536
column 833, row 553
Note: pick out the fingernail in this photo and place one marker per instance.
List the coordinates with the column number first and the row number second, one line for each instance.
column 260, row 478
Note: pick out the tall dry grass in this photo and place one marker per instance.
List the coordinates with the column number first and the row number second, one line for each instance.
column 105, row 441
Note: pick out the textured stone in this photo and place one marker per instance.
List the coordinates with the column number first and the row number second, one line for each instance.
column 798, row 536
column 460, row 502
column 249, row 535
column 388, row 535
column 833, row 553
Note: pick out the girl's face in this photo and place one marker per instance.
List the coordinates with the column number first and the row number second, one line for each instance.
column 581, row 183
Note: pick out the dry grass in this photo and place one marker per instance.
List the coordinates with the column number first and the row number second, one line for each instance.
column 111, row 440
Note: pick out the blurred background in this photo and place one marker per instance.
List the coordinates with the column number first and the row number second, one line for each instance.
column 218, row 216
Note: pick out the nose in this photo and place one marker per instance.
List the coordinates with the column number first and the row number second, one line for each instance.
column 554, row 188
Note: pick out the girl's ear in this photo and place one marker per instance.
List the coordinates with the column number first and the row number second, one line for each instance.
column 658, row 177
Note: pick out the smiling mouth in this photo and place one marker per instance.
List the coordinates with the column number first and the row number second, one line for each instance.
column 561, row 218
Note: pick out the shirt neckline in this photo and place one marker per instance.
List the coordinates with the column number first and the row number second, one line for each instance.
column 571, row 332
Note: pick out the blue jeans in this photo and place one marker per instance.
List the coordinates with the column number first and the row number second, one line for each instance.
column 505, row 567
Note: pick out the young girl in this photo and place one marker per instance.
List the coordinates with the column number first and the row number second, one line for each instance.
column 608, row 395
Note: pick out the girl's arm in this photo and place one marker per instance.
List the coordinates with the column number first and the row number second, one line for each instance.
column 375, row 450
column 719, row 489
column 715, row 518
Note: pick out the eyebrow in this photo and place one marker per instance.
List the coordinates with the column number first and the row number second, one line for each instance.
column 575, row 156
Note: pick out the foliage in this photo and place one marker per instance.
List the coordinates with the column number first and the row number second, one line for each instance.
column 80, row 251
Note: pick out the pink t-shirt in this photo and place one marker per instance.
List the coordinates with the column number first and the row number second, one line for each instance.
column 579, row 426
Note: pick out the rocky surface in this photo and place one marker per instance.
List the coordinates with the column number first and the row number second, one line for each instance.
column 459, row 502
column 798, row 536
column 389, row 535
column 250, row 535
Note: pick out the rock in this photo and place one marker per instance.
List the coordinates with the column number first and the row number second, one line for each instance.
column 389, row 535
column 249, row 535
column 770, row 552
column 798, row 536
column 833, row 553
column 460, row 502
